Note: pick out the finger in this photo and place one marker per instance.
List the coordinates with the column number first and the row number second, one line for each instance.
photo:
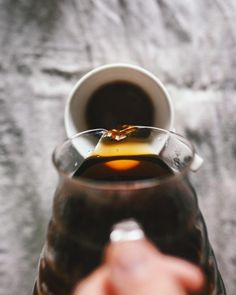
column 147, row 286
column 138, row 267
column 96, row 283
column 186, row 273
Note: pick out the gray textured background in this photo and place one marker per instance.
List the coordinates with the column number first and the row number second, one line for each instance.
column 46, row 45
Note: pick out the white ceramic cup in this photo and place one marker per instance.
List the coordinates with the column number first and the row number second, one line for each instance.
column 75, row 119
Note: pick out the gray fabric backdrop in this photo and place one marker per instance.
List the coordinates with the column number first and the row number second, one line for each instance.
column 46, row 45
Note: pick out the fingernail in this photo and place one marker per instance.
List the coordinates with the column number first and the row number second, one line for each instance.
column 127, row 230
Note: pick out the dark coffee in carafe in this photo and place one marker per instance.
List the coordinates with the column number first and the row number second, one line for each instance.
column 123, row 178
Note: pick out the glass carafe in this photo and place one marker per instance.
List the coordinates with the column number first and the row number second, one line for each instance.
column 84, row 210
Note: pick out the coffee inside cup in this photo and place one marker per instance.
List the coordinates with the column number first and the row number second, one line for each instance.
column 117, row 103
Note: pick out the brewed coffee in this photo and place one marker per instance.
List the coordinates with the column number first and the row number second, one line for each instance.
column 118, row 103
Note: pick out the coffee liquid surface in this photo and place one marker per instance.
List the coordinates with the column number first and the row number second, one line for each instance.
column 123, row 168
column 120, row 102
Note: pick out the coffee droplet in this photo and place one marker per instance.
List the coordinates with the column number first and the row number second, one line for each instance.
column 121, row 133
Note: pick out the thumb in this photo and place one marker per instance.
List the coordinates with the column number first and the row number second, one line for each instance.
column 136, row 267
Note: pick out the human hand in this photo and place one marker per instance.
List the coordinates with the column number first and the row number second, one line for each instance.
column 138, row 268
